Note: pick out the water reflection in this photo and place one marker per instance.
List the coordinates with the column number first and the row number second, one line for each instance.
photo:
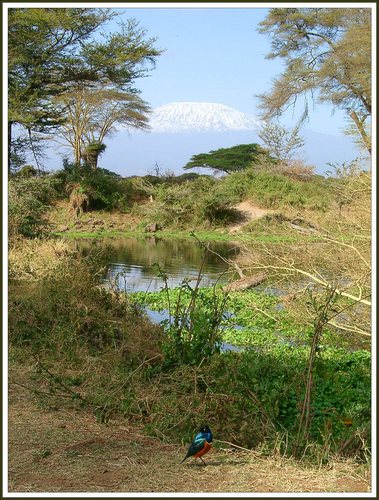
column 134, row 263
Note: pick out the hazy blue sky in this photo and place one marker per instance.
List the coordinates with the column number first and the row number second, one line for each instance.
column 214, row 55
column 211, row 55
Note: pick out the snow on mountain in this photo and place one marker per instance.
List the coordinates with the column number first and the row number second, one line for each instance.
column 199, row 117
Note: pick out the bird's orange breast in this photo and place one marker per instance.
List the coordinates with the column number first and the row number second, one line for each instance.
column 203, row 451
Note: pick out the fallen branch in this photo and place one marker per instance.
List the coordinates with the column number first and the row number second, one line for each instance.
column 245, row 283
column 349, row 329
column 37, row 391
column 236, row 446
column 319, row 281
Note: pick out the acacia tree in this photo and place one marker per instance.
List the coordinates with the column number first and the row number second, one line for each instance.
column 228, row 160
column 280, row 141
column 327, row 55
column 53, row 50
column 93, row 114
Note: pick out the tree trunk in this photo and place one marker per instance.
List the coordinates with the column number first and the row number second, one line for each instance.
column 33, row 150
column 77, row 151
column 95, row 160
column 245, row 283
column 362, row 132
column 9, row 146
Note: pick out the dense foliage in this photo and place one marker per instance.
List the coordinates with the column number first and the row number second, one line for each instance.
column 266, row 379
column 229, row 160
column 29, row 198
column 102, row 187
column 196, row 203
column 278, row 190
column 92, row 341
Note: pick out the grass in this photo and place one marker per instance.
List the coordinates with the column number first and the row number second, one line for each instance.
column 184, row 234
column 69, row 451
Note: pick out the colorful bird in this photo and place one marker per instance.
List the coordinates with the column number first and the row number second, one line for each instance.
column 201, row 444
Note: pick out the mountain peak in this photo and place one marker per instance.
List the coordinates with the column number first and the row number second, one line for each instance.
column 200, row 117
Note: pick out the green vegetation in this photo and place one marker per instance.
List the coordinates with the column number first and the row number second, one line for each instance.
column 300, row 381
column 231, row 159
column 201, row 202
column 28, row 200
column 86, row 342
column 104, row 191
column 253, row 319
column 278, row 191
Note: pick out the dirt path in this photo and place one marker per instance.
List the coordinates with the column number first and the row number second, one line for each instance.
column 57, row 450
column 248, row 212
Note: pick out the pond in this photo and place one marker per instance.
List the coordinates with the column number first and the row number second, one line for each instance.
column 134, row 264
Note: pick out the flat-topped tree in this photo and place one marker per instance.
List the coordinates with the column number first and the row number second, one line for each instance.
column 53, row 51
column 94, row 114
column 233, row 159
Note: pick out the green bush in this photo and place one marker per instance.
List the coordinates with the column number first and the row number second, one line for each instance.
column 254, row 399
column 28, row 200
column 256, row 395
column 279, row 191
column 104, row 188
column 194, row 326
column 197, row 203
column 276, row 190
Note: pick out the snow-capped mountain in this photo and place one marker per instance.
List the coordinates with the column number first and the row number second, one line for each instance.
column 199, row 117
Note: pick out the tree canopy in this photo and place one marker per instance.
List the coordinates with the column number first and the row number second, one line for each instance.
column 54, row 50
column 94, row 113
column 228, row 160
column 327, row 55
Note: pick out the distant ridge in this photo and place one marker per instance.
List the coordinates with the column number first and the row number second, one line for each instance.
column 200, row 117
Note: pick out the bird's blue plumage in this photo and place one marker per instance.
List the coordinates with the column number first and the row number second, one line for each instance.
column 196, row 445
column 199, row 441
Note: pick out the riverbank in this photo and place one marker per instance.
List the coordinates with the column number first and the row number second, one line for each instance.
column 104, row 224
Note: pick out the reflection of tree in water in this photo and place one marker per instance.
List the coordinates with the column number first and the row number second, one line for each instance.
column 133, row 260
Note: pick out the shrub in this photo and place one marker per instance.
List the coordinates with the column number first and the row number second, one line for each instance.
column 198, row 202
column 253, row 399
column 274, row 190
column 28, row 199
column 57, row 305
column 194, row 326
column 102, row 187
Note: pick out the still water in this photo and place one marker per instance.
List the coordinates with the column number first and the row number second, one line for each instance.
column 134, row 263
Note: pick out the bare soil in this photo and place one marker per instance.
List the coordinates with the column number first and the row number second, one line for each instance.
column 248, row 212
column 58, row 449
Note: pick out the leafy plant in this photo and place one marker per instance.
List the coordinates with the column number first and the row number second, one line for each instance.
column 28, row 199
column 102, row 187
column 194, row 325
column 229, row 160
